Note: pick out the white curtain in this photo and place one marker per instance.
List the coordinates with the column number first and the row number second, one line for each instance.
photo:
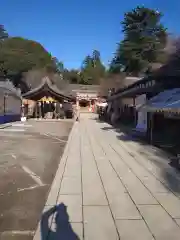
column 142, row 114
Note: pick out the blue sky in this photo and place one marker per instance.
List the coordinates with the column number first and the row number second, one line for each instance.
column 71, row 29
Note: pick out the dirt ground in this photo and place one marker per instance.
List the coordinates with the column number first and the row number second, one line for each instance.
column 29, row 155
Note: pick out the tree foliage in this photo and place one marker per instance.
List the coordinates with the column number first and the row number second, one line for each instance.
column 143, row 43
column 92, row 69
column 26, row 62
column 20, row 55
column 72, row 76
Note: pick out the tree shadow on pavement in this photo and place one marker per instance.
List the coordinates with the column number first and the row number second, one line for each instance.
column 158, row 157
column 126, row 134
column 60, row 218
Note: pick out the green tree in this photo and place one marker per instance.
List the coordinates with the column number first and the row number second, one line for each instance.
column 21, row 55
column 117, row 65
column 144, row 40
column 92, row 69
column 73, row 76
column 99, row 69
column 87, row 70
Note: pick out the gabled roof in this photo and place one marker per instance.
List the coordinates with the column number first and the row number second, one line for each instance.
column 46, row 86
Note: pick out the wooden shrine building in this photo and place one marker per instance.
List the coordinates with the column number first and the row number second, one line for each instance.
column 44, row 100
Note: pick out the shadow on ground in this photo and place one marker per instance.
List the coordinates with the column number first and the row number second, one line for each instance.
column 126, row 133
column 158, row 157
column 60, row 220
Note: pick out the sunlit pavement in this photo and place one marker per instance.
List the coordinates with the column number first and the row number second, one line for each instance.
column 108, row 186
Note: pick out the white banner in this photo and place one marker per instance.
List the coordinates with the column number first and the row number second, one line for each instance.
column 142, row 115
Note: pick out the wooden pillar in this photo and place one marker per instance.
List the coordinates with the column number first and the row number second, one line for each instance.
column 42, row 109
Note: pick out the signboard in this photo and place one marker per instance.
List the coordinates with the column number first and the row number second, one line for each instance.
column 86, row 96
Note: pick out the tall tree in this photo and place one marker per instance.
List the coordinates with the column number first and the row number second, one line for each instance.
column 99, row 68
column 144, row 40
column 96, row 58
column 117, row 65
column 87, row 70
column 92, row 69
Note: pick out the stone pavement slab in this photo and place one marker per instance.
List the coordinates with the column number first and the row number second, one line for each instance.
column 178, row 221
column 74, row 206
column 93, row 193
column 133, row 185
column 122, row 207
column 170, row 203
column 157, row 162
column 99, row 224
column 161, row 225
column 119, row 200
column 103, row 192
column 70, row 185
column 133, row 229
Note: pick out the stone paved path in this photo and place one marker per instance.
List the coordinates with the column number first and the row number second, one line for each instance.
column 108, row 188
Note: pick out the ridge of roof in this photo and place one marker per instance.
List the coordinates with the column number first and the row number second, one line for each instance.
column 46, row 82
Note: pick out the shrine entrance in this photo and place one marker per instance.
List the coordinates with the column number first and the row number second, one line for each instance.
column 46, row 107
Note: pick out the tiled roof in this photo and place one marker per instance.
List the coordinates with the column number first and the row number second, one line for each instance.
column 46, row 84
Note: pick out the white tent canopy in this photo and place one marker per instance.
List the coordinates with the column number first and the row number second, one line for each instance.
column 167, row 101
